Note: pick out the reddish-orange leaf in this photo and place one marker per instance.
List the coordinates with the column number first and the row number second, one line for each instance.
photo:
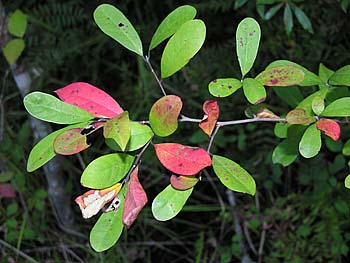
column 180, row 182
column 182, row 159
column 90, row 98
column 135, row 199
column 70, row 142
column 211, row 110
column 330, row 127
column 6, row 190
column 91, row 202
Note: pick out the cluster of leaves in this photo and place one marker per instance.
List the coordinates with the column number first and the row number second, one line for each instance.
column 113, row 177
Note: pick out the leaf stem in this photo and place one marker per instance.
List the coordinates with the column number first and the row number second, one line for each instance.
column 146, row 59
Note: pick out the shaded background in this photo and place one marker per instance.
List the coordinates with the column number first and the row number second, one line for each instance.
column 300, row 214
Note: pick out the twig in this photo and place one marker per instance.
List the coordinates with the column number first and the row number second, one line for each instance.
column 212, row 137
column 262, row 241
column 146, row 59
column 249, row 240
column 18, row 252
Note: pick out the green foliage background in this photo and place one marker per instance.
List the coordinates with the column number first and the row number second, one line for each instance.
column 303, row 209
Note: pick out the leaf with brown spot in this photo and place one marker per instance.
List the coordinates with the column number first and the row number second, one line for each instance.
column 330, row 127
column 212, row 111
column 180, row 182
column 264, row 113
column 90, row 98
column 135, row 199
column 299, row 116
column 281, row 76
column 118, row 129
column 182, row 159
column 70, row 142
column 164, row 114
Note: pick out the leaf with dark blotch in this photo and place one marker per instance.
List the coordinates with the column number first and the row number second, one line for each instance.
column 164, row 114
column 330, row 127
column 70, row 142
column 281, row 76
column 180, row 182
column 299, row 116
column 135, row 199
column 89, row 98
column 118, row 129
column 233, row 176
column 224, row 87
column 212, row 111
column 182, row 159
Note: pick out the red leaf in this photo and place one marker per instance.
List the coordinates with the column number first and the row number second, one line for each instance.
column 211, row 110
column 6, row 190
column 90, row 98
column 182, row 159
column 330, row 127
column 183, row 182
column 70, row 142
column 135, row 199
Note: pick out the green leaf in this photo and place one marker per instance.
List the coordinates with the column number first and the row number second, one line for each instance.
column 338, row 108
column 44, row 151
column 247, row 43
column 317, row 105
column 13, row 50
column 310, row 78
column 233, row 176
column 139, row 135
column 239, row 3
column 272, row 11
column 172, row 23
column 303, row 19
column 224, row 87
column 106, row 170
column 254, row 91
column 48, row 108
column 292, row 96
column 310, row 143
column 118, row 129
column 281, row 129
column 306, row 103
column 109, row 227
column 288, row 19
column 346, row 148
column 113, row 23
column 17, row 23
column 347, row 181
column 164, row 114
column 341, row 76
column 182, row 46
column 324, row 73
column 169, row 202
column 286, row 151
column 281, row 76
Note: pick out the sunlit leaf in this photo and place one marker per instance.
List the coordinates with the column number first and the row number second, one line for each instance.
column 90, row 98
column 338, row 108
column 106, row 170
column 164, row 114
column 254, row 91
column 341, row 76
column 70, row 142
column 140, row 134
column 182, row 159
column 317, row 105
column 212, row 111
column 281, row 76
column 299, row 116
column 310, row 143
column 281, row 129
column 118, row 129
column 224, row 87
column 233, row 176
column 182, row 46
column 113, row 23
column 135, row 199
column 324, row 73
column 13, row 49
column 108, row 228
column 180, row 182
column 330, row 127
column 247, row 43
column 169, row 202
column 17, row 23
column 172, row 23
column 92, row 201
column 48, row 108
column 347, row 181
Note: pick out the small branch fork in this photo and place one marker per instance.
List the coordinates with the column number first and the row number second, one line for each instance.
column 159, row 81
